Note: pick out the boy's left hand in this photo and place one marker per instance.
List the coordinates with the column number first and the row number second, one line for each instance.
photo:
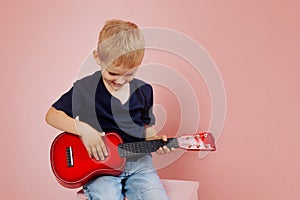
column 164, row 149
column 151, row 135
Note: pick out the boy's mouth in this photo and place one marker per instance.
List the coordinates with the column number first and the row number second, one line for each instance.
column 117, row 85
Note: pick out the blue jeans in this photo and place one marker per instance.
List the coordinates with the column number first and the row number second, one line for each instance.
column 139, row 181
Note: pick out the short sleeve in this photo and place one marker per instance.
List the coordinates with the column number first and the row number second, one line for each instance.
column 70, row 103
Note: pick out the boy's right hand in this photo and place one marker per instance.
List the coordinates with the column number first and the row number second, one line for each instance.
column 94, row 144
column 92, row 140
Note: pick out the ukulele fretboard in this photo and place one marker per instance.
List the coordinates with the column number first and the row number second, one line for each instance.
column 144, row 147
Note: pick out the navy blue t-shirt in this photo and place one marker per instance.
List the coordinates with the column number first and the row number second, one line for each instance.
column 91, row 101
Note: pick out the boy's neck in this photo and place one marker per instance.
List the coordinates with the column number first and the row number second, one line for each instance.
column 122, row 94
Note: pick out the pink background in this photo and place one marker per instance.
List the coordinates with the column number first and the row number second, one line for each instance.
column 255, row 45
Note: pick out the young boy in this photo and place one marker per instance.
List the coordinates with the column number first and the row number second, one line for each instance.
column 112, row 100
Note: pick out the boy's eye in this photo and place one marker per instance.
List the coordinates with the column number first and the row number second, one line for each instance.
column 112, row 74
column 116, row 74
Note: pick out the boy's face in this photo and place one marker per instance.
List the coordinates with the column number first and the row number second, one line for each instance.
column 117, row 76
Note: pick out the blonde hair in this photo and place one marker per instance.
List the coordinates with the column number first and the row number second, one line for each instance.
column 121, row 43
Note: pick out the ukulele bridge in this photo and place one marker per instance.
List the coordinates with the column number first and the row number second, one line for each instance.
column 69, row 153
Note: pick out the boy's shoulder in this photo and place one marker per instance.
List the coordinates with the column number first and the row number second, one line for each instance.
column 142, row 86
column 92, row 78
column 140, row 83
column 88, row 83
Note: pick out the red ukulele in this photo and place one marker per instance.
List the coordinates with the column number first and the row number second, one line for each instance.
column 73, row 167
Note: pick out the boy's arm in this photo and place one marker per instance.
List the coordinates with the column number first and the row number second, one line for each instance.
column 60, row 120
column 90, row 137
column 151, row 135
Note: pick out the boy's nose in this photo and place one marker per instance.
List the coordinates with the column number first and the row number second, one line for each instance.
column 121, row 80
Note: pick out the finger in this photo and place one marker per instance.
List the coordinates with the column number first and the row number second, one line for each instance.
column 100, row 153
column 103, row 147
column 160, row 150
column 88, row 149
column 172, row 149
column 166, row 149
column 164, row 138
column 94, row 152
column 101, row 134
column 89, row 152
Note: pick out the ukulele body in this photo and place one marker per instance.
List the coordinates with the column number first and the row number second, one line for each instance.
column 72, row 165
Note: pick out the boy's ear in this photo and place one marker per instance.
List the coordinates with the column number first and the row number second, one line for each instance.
column 97, row 57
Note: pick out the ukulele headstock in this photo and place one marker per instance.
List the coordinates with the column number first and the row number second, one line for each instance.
column 203, row 141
